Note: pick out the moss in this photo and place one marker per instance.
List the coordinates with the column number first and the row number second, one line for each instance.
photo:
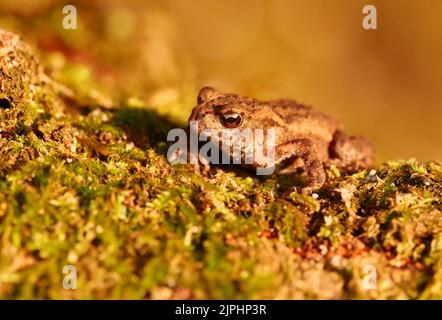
column 88, row 185
column 19, row 70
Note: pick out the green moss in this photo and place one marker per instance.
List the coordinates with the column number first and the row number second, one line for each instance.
column 89, row 185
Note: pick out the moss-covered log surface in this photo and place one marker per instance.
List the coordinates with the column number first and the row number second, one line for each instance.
column 86, row 183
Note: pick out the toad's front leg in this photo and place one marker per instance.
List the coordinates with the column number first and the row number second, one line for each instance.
column 287, row 156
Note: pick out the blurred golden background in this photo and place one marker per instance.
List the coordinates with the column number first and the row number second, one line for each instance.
column 384, row 83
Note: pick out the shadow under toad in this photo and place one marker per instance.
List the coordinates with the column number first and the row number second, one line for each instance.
column 144, row 127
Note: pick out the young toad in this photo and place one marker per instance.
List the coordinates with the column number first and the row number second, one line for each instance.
column 301, row 133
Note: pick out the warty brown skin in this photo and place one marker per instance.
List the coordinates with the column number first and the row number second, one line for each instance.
column 301, row 133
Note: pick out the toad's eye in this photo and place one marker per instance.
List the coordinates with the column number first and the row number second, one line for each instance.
column 231, row 120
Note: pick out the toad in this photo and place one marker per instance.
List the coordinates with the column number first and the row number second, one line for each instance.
column 304, row 137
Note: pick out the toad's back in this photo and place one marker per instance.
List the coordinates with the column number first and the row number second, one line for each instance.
column 300, row 122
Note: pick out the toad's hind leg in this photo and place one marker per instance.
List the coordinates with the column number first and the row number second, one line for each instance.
column 353, row 152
